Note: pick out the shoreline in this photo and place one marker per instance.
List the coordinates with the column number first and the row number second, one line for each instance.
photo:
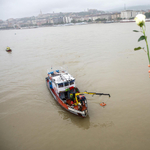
column 72, row 24
column 59, row 25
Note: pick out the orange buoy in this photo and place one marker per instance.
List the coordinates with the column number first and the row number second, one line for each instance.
column 103, row 104
column 148, row 65
column 149, row 71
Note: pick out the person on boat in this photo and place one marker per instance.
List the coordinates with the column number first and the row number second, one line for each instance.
column 82, row 99
column 79, row 97
column 72, row 98
column 77, row 102
column 8, row 48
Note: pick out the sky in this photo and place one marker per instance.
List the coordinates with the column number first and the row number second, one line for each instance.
column 27, row 8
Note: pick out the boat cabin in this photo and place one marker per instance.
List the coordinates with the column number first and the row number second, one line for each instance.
column 60, row 81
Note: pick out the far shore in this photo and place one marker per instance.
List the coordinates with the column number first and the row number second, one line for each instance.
column 58, row 25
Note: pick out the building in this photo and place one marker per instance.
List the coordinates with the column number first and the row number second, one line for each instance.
column 3, row 25
column 77, row 19
column 67, row 19
column 39, row 22
column 86, row 18
column 50, row 21
column 58, row 20
column 94, row 17
column 115, row 16
column 105, row 16
column 127, row 14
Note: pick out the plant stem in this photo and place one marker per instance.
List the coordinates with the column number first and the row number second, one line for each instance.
column 146, row 45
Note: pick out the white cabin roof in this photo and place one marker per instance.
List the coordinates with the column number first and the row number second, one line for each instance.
column 62, row 77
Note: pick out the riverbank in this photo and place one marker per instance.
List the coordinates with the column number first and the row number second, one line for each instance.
column 58, row 25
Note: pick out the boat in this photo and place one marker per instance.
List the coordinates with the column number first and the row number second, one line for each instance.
column 8, row 49
column 62, row 86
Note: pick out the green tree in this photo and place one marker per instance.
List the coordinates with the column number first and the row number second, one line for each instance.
column 73, row 21
column 119, row 18
column 147, row 15
column 98, row 19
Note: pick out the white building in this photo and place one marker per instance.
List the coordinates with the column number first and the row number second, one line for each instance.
column 67, row 19
column 127, row 14
column 102, row 16
column 95, row 17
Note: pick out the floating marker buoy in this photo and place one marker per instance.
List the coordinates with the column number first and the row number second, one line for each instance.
column 103, row 104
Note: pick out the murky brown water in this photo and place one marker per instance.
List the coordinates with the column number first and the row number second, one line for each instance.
column 102, row 59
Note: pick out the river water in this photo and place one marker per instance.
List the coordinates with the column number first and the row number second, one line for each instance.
column 102, row 59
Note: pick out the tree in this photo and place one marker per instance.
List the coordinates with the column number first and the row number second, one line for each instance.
column 73, row 21
column 98, row 19
column 131, row 18
column 147, row 15
column 103, row 19
column 119, row 18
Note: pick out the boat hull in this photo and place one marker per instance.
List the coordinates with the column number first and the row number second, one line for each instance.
column 64, row 105
column 8, row 50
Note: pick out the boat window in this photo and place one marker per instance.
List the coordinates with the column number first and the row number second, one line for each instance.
column 62, row 96
column 71, row 82
column 66, row 83
column 60, row 85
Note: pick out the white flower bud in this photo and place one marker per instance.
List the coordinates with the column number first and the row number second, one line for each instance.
column 140, row 19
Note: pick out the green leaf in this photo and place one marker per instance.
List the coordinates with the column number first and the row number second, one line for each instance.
column 138, row 48
column 135, row 31
column 141, row 38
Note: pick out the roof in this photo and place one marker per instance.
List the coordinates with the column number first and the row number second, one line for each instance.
column 62, row 77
